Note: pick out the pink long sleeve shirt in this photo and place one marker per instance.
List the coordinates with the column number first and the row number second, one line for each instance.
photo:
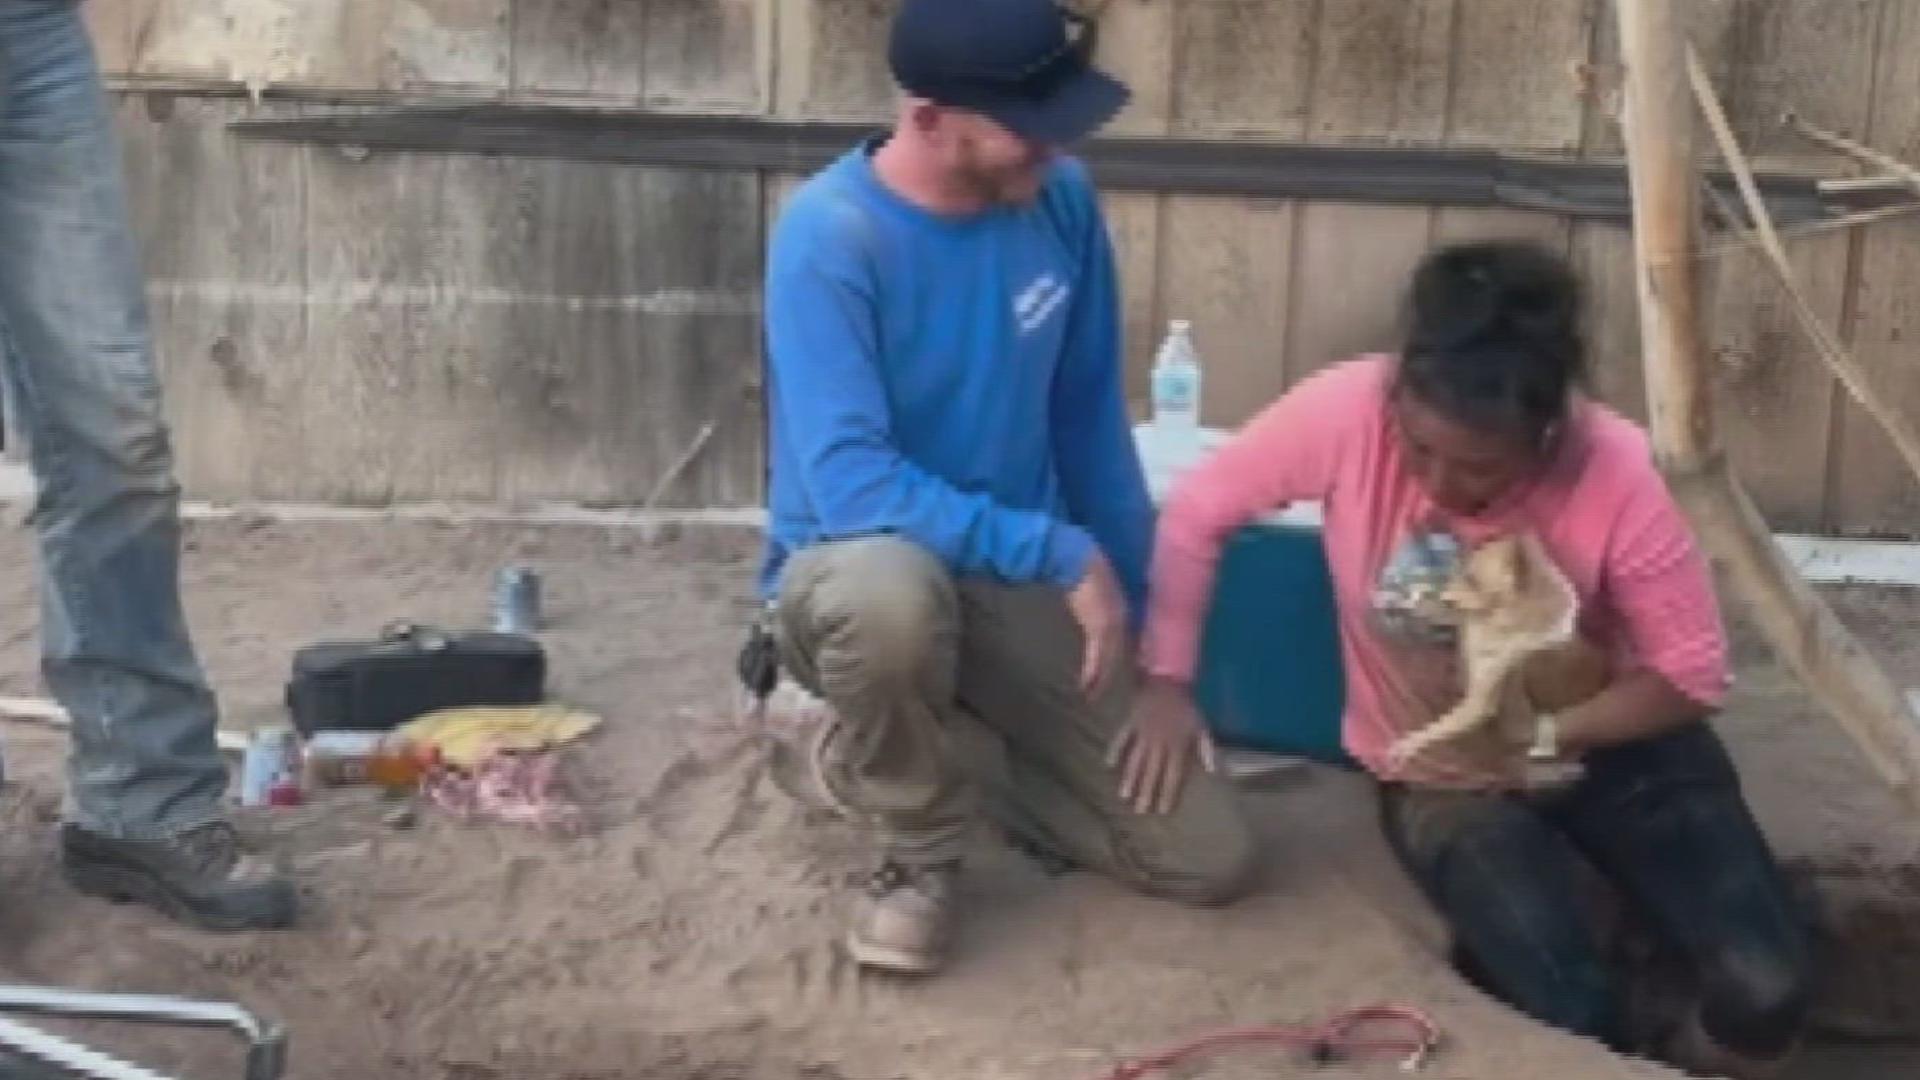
column 1601, row 509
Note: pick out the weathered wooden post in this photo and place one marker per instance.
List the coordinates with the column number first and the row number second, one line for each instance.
column 1842, row 677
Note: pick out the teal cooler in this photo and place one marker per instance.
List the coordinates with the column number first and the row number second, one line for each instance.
column 1270, row 675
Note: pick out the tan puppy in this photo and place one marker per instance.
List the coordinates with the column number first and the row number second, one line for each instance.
column 1518, row 650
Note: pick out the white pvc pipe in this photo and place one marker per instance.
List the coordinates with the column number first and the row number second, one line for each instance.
column 74, row 1058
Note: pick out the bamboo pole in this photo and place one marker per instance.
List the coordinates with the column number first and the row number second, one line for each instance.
column 1843, row 678
column 1895, row 169
column 1744, row 240
column 1659, row 135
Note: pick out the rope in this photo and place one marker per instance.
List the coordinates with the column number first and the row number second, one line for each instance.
column 1339, row 1039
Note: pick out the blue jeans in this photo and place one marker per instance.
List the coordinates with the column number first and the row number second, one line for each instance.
column 1663, row 820
column 79, row 371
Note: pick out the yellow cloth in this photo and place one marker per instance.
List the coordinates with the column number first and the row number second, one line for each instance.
column 467, row 736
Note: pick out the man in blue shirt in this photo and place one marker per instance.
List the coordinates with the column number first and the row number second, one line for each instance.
column 959, row 524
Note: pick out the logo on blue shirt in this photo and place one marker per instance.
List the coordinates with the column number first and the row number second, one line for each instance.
column 1036, row 303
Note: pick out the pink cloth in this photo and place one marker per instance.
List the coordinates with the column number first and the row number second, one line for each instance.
column 1601, row 509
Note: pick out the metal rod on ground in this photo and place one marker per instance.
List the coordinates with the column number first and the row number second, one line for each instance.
column 67, row 1056
column 1840, row 675
column 1860, row 152
column 266, row 1041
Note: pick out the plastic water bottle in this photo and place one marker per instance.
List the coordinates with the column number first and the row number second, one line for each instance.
column 1176, row 381
column 516, row 601
column 267, row 763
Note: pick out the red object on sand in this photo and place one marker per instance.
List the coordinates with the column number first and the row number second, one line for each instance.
column 516, row 788
column 1339, row 1039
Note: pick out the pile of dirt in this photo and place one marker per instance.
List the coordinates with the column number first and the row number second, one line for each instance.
column 692, row 931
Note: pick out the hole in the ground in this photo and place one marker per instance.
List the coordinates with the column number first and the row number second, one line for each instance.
column 1837, row 1062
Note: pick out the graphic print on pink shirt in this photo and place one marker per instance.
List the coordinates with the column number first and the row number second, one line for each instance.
column 1600, row 509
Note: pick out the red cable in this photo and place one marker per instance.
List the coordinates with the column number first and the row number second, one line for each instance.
column 1335, row 1040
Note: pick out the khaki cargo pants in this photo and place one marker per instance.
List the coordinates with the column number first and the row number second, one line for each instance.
column 906, row 655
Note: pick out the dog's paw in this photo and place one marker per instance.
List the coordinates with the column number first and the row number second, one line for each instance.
column 1403, row 751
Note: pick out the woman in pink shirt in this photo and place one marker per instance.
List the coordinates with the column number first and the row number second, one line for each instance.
column 1478, row 429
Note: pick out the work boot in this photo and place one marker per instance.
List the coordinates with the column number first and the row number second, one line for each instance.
column 199, row 877
column 903, row 922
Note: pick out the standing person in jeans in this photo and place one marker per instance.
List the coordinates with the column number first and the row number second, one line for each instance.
column 146, row 777
column 1476, row 430
column 959, row 523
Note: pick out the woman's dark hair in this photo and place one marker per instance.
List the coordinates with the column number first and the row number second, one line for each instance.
column 1495, row 340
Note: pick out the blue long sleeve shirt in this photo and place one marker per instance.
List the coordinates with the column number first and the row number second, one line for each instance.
column 955, row 381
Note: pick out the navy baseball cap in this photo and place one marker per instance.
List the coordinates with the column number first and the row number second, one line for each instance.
column 1027, row 64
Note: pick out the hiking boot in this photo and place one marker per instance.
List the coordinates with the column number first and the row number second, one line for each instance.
column 903, row 922
column 199, row 877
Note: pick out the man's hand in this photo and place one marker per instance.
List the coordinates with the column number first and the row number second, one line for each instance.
column 1101, row 611
column 1161, row 739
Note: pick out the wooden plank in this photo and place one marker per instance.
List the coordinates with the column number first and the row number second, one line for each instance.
column 522, row 330
column 221, row 226
column 1136, row 44
column 1772, row 393
column 708, row 55
column 1514, row 83
column 1228, row 266
column 665, row 351
column 189, row 39
column 1458, row 224
column 402, row 269
column 404, row 44
column 1350, row 281
column 1774, row 397
column 592, row 50
column 1707, row 24
column 1381, row 70
column 831, row 60
column 1604, row 258
column 691, row 55
column 362, row 44
column 1244, row 66
column 1871, row 492
column 1812, row 58
column 110, row 25
column 776, row 190
column 1351, row 262
column 1397, row 175
column 1134, row 224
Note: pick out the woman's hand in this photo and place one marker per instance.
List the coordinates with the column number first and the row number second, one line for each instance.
column 1162, row 739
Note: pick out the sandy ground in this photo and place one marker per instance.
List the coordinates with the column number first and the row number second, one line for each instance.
column 691, row 933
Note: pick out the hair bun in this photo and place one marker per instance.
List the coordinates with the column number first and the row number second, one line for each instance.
column 1496, row 290
column 1495, row 337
